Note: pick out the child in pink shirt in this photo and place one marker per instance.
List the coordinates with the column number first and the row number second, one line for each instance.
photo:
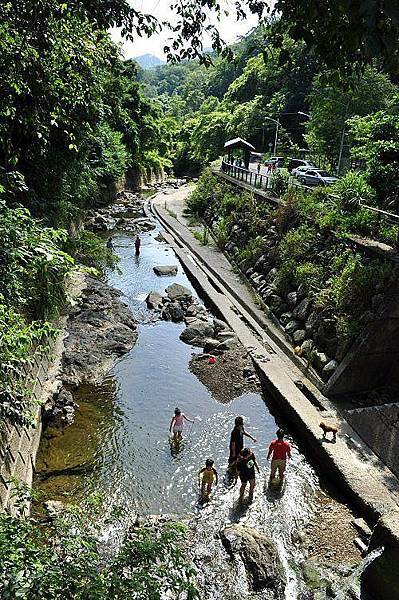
column 176, row 424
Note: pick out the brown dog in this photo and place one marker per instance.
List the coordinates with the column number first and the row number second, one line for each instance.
column 329, row 429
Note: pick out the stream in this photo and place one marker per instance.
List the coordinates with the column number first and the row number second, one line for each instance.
column 120, row 447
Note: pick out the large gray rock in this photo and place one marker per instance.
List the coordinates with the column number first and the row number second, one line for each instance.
column 154, row 300
column 292, row 326
column 275, row 302
column 302, row 311
column 178, row 292
column 259, row 556
column 292, row 299
column 173, row 312
column 285, row 318
column 220, row 325
column 320, row 360
column 298, row 336
column 165, row 270
column 197, row 333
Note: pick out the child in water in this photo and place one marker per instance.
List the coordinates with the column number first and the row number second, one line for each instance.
column 177, row 423
column 208, row 475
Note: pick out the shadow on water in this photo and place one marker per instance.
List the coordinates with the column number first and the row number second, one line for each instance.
column 119, row 443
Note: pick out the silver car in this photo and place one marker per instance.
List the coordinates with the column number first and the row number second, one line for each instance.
column 317, row 177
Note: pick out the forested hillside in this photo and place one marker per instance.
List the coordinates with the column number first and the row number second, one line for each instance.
column 77, row 120
column 317, row 107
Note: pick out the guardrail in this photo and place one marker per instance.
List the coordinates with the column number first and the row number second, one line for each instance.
column 256, row 180
column 265, row 182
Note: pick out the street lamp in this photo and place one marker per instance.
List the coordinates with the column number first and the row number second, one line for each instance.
column 276, row 136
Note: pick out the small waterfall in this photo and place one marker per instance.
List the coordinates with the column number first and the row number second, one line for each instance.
column 355, row 576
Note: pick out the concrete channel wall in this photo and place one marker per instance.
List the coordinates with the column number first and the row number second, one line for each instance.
column 19, row 445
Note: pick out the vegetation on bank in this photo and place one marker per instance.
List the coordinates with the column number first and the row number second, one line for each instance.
column 68, row 560
column 305, row 240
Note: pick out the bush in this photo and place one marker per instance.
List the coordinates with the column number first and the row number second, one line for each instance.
column 353, row 189
column 221, row 233
column 65, row 561
column 252, row 251
column 89, row 249
column 206, row 191
column 298, row 243
column 279, row 181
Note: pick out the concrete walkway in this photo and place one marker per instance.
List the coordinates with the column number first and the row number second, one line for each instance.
column 349, row 462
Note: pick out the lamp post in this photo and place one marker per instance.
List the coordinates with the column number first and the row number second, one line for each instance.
column 277, row 121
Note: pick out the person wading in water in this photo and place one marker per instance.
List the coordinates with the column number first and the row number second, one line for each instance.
column 137, row 244
column 246, row 464
column 280, row 451
column 237, row 443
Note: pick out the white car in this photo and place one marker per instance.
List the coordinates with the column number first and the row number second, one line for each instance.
column 300, row 170
column 317, row 177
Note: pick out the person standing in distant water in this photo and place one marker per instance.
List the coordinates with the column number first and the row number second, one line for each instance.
column 137, row 244
column 177, row 423
column 110, row 245
column 237, row 441
column 279, row 450
column 246, row 465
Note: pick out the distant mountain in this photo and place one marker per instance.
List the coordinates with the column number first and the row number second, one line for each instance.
column 149, row 61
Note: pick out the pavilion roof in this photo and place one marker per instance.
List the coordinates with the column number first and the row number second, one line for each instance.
column 239, row 143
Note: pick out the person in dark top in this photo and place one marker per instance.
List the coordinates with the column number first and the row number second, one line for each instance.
column 237, row 440
column 137, row 244
column 246, row 465
column 110, row 244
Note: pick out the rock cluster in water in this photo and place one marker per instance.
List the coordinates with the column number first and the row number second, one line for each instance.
column 100, row 329
column 180, row 305
column 126, row 214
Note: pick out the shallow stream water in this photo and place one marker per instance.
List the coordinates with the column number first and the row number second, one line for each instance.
column 119, row 443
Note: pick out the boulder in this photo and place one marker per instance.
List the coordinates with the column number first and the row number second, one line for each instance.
column 210, row 344
column 173, row 312
column 299, row 336
column 307, row 347
column 292, row 299
column 302, row 311
column 320, row 360
column 178, row 292
column 225, row 335
column 330, row 367
column 292, row 326
column 220, row 325
column 154, row 300
column 259, row 556
column 162, row 270
column 275, row 302
column 312, row 322
column 285, row 318
column 197, row 333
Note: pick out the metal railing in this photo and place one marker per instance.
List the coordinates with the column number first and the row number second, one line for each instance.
column 256, row 180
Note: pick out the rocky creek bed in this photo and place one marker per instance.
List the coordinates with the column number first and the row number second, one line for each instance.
column 124, row 369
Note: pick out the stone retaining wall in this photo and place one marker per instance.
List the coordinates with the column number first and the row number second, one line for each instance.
column 19, row 445
column 379, row 427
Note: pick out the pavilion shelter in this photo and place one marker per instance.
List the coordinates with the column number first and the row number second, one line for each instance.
column 239, row 144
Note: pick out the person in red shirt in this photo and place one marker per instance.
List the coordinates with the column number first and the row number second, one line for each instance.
column 279, row 450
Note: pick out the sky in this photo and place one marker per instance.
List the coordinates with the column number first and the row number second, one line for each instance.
column 229, row 28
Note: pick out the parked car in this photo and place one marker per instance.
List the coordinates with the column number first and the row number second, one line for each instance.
column 275, row 160
column 300, row 170
column 317, row 177
column 294, row 163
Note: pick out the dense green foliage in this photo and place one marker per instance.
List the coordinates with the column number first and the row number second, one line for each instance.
column 305, row 239
column 65, row 560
